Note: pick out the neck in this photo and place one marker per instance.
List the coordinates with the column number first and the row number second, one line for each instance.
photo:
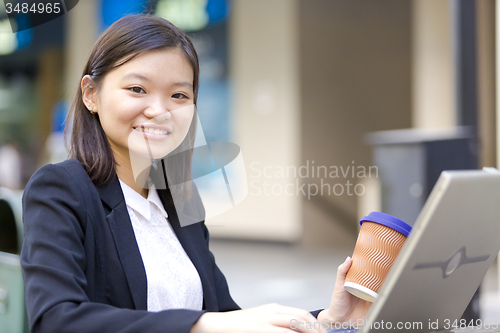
column 133, row 171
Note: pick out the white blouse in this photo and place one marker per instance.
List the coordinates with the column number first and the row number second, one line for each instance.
column 173, row 281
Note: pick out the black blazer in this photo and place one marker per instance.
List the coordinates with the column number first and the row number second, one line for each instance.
column 81, row 265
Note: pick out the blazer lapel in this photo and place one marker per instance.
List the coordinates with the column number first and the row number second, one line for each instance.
column 123, row 234
column 130, row 256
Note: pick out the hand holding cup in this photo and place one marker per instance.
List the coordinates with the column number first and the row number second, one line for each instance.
column 380, row 239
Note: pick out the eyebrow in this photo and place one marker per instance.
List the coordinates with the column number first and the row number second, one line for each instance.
column 145, row 78
column 136, row 75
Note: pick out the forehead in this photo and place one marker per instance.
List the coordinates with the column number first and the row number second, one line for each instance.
column 157, row 65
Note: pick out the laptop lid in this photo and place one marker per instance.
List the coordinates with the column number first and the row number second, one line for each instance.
column 454, row 241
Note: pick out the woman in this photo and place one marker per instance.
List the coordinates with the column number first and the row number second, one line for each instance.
column 104, row 249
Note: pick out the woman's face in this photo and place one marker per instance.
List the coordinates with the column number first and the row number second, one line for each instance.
column 146, row 105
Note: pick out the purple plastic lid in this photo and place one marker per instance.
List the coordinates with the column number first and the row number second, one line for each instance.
column 389, row 221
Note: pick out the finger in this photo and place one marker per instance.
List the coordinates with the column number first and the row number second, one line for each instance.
column 296, row 312
column 341, row 275
column 306, row 319
column 298, row 324
column 344, row 268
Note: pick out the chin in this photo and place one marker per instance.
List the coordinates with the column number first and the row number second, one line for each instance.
column 145, row 155
column 154, row 151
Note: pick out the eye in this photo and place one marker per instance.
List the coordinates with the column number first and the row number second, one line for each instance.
column 132, row 89
column 180, row 96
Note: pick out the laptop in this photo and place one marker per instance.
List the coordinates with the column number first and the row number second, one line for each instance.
column 453, row 242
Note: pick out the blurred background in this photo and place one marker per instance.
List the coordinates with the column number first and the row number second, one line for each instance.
column 340, row 108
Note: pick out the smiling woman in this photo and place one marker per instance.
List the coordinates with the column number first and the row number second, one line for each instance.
column 125, row 86
column 144, row 113
column 103, row 249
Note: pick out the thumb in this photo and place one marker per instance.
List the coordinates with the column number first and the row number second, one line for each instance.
column 343, row 269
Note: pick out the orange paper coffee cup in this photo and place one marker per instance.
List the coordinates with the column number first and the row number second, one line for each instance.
column 380, row 239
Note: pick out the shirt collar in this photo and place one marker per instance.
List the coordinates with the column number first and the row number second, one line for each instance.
column 140, row 204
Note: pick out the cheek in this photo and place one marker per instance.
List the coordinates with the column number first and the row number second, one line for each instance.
column 183, row 118
column 115, row 125
column 117, row 117
column 185, row 121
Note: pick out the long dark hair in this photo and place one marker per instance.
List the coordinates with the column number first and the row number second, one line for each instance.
column 126, row 38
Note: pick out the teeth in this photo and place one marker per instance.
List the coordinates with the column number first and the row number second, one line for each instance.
column 153, row 130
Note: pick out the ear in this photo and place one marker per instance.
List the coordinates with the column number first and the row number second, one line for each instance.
column 89, row 93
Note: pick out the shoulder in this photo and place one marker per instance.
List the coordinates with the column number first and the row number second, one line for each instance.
column 71, row 166
column 68, row 169
column 68, row 176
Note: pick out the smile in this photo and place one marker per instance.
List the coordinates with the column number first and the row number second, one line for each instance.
column 152, row 130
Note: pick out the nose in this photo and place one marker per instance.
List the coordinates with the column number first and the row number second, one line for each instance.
column 158, row 112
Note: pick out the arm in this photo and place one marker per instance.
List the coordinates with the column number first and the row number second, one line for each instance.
column 53, row 260
column 265, row 318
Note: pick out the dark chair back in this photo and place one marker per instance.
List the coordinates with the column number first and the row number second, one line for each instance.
column 11, row 226
column 8, row 228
